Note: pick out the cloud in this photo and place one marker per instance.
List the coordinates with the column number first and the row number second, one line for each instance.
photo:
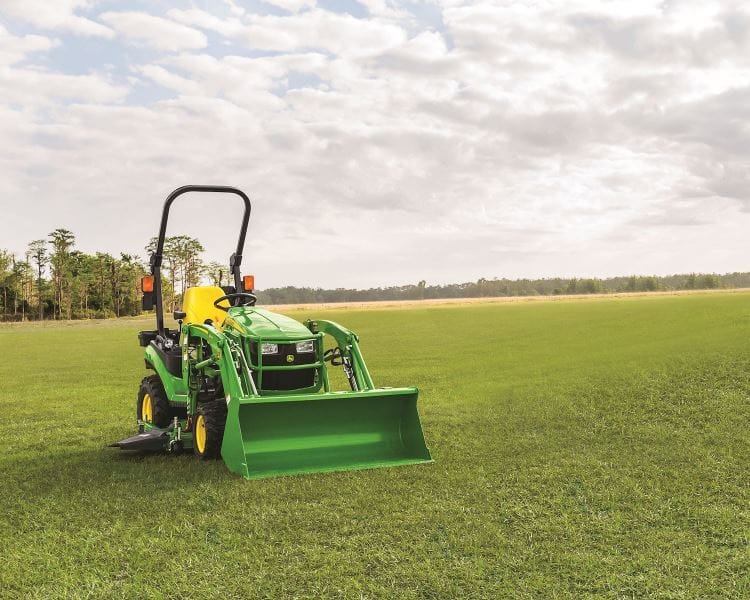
column 156, row 32
column 447, row 140
column 293, row 5
column 342, row 35
column 14, row 49
column 58, row 15
column 168, row 79
column 35, row 87
column 315, row 29
column 229, row 26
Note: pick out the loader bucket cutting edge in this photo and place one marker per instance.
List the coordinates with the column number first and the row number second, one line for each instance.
column 286, row 435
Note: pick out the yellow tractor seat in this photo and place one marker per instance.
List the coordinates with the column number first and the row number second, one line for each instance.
column 198, row 305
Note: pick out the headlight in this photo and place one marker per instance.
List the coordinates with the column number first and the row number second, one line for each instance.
column 266, row 348
column 306, row 347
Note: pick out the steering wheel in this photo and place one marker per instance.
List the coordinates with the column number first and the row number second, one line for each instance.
column 236, row 299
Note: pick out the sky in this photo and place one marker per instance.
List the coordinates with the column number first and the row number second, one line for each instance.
column 385, row 142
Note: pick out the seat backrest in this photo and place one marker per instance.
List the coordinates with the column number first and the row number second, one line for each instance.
column 198, row 304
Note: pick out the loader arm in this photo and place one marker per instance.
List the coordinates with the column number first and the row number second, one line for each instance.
column 222, row 359
column 348, row 343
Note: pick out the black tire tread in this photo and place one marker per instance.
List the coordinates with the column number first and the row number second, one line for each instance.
column 215, row 416
column 153, row 386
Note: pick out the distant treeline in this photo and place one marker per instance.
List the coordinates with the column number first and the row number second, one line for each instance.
column 54, row 280
column 490, row 288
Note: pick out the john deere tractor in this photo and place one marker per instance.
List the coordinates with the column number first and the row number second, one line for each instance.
column 252, row 386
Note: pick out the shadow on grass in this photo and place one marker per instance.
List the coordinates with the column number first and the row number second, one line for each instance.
column 53, row 474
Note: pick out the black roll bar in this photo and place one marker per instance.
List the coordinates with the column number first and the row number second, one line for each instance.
column 156, row 258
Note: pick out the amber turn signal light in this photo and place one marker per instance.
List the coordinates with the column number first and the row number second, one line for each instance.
column 147, row 284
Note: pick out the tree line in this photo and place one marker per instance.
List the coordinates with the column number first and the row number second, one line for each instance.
column 490, row 288
column 55, row 280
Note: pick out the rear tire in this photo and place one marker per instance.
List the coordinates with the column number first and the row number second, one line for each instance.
column 152, row 406
column 209, row 429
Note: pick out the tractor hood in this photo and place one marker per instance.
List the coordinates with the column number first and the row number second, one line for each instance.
column 261, row 323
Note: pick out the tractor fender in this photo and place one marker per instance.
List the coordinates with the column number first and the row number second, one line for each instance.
column 173, row 386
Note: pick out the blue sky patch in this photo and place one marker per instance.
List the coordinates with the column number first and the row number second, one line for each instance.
column 348, row 7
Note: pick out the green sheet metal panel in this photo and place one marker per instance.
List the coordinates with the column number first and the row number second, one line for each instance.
column 285, row 435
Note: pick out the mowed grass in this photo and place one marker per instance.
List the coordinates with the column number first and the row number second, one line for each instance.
column 588, row 448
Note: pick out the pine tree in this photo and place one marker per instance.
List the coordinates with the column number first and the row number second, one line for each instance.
column 38, row 253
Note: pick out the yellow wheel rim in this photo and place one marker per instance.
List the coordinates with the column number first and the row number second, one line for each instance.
column 200, row 434
column 147, row 409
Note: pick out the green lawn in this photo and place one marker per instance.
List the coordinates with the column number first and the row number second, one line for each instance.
column 587, row 448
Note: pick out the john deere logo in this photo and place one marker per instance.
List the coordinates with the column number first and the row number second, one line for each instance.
column 290, row 358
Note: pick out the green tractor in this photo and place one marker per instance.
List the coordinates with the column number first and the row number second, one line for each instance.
column 252, row 386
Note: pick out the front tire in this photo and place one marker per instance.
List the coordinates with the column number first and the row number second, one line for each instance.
column 209, row 429
column 153, row 406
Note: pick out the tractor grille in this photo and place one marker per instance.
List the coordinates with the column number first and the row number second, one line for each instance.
column 286, row 380
column 280, row 359
column 292, row 379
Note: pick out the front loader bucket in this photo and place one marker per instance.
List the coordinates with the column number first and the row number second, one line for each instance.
column 310, row 433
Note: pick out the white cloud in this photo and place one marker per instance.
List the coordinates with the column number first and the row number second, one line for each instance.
column 315, row 29
column 157, row 32
column 30, row 85
column 245, row 81
column 194, row 17
column 168, row 79
column 14, row 49
column 528, row 139
column 234, row 8
column 58, row 14
column 34, row 87
column 340, row 34
column 293, row 5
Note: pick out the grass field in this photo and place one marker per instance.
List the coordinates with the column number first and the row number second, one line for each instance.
column 592, row 448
